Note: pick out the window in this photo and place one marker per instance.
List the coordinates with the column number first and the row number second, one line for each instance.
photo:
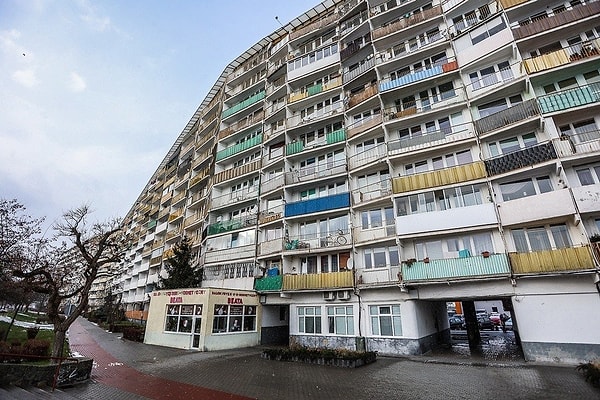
column 512, row 144
column 455, row 246
column 385, row 320
column 541, row 238
column 381, row 257
column 377, row 218
column 581, row 131
column 588, row 175
column 340, row 320
column 439, row 200
column 234, row 318
column 525, row 188
column 309, row 320
column 179, row 317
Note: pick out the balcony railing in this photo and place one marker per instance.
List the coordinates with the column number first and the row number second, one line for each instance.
column 315, row 89
column 376, row 153
column 407, row 79
column 545, row 23
column 317, row 171
column 506, row 4
column 448, row 176
column 235, row 197
column 239, row 147
column 517, row 113
column 431, row 139
column 227, row 255
column 322, row 113
column 362, row 68
column 329, row 280
column 354, row 47
column 236, row 172
column 578, row 143
column 410, row 46
column 239, row 125
column 364, row 124
column 562, row 57
column 552, row 261
column 314, row 26
column 246, row 103
column 570, row 98
column 269, row 283
column 520, row 159
column 275, row 182
column 473, row 267
column 270, row 216
column 232, row 224
column 363, row 95
column 326, row 203
column 413, row 19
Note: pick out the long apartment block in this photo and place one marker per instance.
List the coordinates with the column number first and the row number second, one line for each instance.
column 372, row 160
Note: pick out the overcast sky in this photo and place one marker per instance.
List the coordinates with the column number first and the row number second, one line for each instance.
column 94, row 93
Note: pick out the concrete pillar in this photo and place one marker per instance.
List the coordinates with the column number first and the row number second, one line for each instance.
column 472, row 324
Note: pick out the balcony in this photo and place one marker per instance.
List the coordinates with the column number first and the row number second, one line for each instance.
column 364, row 124
column 450, row 219
column 512, row 115
column 361, row 69
column 233, row 173
column 270, row 246
column 244, row 104
column 496, row 265
column 545, row 23
column 431, row 179
column 330, row 280
column 199, row 176
column 418, row 76
column 273, row 183
column 552, row 261
column 539, row 207
column 326, row 203
column 586, row 198
column 305, row 64
column 366, row 157
column 239, row 125
column 363, row 95
column 232, row 225
column 354, row 47
column 563, row 56
column 234, row 198
column 274, row 214
column 315, row 89
column 309, row 243
column 314, row 26
column 228, row 255
column 506, row 4
column 239, row 147
column 269, row 284
column 411, row 20
column 569, row 98
column 320, row 114
column 311, row 173
column 378, row 233
column 520, row 159
column 429, row 140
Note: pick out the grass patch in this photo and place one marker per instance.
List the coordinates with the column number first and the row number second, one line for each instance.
column 18, row 334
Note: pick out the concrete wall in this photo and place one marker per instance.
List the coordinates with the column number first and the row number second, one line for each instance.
column 70, row 373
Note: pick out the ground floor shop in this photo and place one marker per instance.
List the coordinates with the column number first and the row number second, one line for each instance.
column 205, row 319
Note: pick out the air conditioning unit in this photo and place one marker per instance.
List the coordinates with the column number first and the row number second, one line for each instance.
column 329, row 296
column 344, row 295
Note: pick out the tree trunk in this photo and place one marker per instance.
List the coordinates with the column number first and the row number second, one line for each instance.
column 12, row 322
column 59, row 342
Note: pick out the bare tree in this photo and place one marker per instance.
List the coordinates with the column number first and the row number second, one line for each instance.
column 66, row 272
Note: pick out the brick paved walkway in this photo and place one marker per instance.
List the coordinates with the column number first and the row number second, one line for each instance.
column 111, row 372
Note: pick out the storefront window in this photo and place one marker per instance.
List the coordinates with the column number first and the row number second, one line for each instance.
column 234, row 318
column 179, row 317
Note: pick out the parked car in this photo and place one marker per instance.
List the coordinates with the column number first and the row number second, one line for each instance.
column 508, row 324
column 456, row 322
column 485, row 323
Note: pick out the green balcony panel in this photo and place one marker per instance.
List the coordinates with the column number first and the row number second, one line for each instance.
column 294, row 147
column 569, row 98
column 246, row 103
column 269, row 283
column 237, row 148
column 456, row 268
column 315, row 89
column 152, row 223
column 336, row 136
column 224, row 226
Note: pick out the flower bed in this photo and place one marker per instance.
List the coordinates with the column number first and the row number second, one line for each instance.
column 319, row 356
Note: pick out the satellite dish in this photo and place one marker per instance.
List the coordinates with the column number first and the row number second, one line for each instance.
column 350, row 264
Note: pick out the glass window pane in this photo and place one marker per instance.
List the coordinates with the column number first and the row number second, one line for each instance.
column 538, row 239
column 561, row 237
column 520, row 240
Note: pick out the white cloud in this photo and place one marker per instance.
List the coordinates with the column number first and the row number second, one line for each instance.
column 25, row 77
column 77, row 83
column 90, row 16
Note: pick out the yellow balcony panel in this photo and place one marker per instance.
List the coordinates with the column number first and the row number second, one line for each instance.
column 329, row 280
column 458, row 174
column 549, row 261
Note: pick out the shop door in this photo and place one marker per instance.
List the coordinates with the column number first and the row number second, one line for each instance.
column 196, row 332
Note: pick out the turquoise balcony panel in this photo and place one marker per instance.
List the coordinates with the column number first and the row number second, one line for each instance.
column 336, row 136
column 456, row 268
column 333, row 202
column 410, row 78
column 294, row 147
column 246, row 103
column 315, row 89
column 237, row 148
column 569, row 98
column 269, row 283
